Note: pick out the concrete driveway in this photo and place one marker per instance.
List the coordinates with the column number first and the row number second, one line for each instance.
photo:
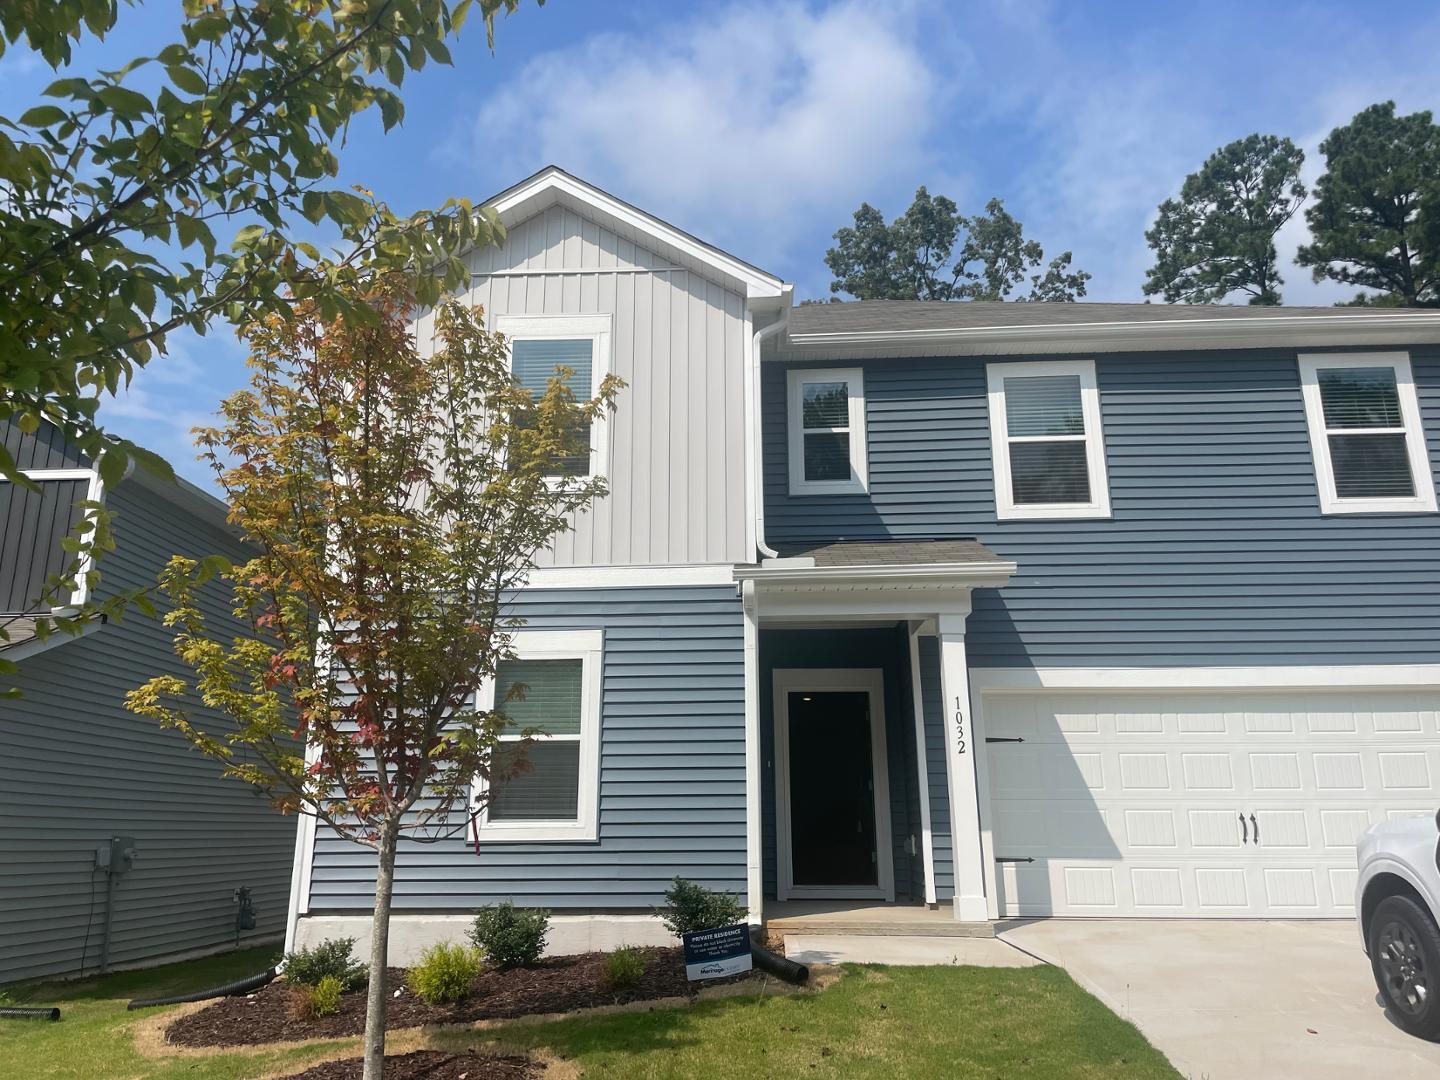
column 1231, row 1000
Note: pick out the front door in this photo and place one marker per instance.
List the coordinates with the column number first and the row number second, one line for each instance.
column 831, row 790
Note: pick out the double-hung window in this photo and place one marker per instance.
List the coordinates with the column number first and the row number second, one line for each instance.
column 1365, row 433
column 550, row 690
column 539, row 344
column 826, row 428
column 1046, row 441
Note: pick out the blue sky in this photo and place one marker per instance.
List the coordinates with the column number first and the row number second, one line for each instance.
column 760, row 126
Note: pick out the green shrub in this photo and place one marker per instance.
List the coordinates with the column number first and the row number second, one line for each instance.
column 623, row 968
column 323, row 999
column 690, row 906
column 333, row 958
column 444, row 973
column 510, row 936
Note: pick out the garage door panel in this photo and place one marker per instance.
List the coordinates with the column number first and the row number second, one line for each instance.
column 1149, row 803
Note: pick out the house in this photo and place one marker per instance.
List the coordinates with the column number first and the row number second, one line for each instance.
column 1006, row 609
column 119, row 844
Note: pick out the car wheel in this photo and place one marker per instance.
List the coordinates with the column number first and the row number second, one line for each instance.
column 1405, row 956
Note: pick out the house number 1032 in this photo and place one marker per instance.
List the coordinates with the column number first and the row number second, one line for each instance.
column 959, row 727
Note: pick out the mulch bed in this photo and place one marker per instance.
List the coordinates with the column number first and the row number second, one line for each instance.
column 555, row 985
column 430, row 1065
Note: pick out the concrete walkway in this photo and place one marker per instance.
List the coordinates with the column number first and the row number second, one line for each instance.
column 912, row 950
column 1234, row 1000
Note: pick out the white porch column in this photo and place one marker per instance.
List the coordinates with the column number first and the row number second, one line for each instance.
column 960, row 770
column 754, row 886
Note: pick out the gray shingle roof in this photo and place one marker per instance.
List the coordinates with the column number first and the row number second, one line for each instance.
column 892, row 552
column 870, row 315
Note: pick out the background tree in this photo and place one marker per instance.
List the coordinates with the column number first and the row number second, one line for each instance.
column 910, row 258
column 1375, row 221
column 110, row 195
column 1218, row 238
column 394, row 499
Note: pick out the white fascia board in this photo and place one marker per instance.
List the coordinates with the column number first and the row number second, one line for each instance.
column 628, row 577
column 1338, row 677
column 554, row 185
column 982, row 575
column 1294, row 331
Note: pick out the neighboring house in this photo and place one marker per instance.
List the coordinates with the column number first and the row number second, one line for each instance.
column 1019, row 609
column 77, row 769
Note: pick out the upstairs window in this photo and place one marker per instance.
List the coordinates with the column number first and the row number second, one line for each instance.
column 541, row 343
column 1047, row 444
column 826, row 425
column 1365, row 433
column 555, row 798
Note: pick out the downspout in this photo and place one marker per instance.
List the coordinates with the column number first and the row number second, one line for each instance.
column 757, row 444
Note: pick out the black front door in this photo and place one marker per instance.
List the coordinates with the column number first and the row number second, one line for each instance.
column 832, row 797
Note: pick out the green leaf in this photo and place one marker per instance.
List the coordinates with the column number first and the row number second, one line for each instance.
column 188, row 79
column 43, row 116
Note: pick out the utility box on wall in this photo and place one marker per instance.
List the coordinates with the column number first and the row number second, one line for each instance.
column 116, row 856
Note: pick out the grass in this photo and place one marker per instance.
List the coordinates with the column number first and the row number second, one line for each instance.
column 882, row 1022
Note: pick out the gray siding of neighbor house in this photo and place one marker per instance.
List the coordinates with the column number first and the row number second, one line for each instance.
column 887, row 649
column 672, row 772
column 677, row 439
column 1216, row 554
column 33, row 526
column 76, row 767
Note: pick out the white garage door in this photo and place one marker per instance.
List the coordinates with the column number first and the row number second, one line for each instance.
column 1198, row 803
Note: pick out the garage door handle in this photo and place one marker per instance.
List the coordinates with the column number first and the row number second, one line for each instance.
column 1244, row 833
column 1255, row 825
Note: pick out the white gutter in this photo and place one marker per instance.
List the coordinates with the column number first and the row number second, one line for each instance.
column 1308, row 331
column 755, row 477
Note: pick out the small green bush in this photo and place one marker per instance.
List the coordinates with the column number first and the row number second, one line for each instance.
column 335, row 958
column 444, row 973
column 510, row 936
column 689, row 906
column 624, row 968
column 311, row 1002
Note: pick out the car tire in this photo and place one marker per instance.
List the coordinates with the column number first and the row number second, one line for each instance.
column 1405, row 957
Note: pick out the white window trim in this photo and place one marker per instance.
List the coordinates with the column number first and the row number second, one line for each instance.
column 598, row 328
column 1423, row 501
column 588, row 647
column 1006, row 508
column 94, row 492
column 854, row 380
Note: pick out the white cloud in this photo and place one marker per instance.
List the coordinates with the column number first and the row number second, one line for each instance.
column 741, row 118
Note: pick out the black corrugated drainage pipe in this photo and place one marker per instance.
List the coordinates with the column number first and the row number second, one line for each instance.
column 240, row 986
column 11, row 1012
column 781, row 967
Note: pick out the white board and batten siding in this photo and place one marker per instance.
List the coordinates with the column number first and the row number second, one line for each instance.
column 1148, row 803
column 678, row 340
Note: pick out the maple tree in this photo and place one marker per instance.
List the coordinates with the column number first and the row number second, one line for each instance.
column 394, row 497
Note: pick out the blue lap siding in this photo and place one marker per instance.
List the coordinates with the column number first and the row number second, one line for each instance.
column 1216, row 554
column 672, row 772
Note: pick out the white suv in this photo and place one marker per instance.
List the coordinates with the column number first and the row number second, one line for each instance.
column 1398, row 898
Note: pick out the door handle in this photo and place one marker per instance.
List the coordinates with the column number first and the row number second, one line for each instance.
column 1244, row 832
column 1255, row 825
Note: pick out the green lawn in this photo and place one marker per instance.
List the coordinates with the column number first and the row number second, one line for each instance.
column 874, row 1022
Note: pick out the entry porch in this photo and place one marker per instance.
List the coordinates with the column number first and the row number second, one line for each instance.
column 861, row 780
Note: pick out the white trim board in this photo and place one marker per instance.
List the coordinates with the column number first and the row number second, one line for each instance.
column 821, row 680
column 629, row 577
column 1387, row 676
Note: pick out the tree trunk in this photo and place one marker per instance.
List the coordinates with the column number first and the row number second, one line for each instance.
column 378, row 994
